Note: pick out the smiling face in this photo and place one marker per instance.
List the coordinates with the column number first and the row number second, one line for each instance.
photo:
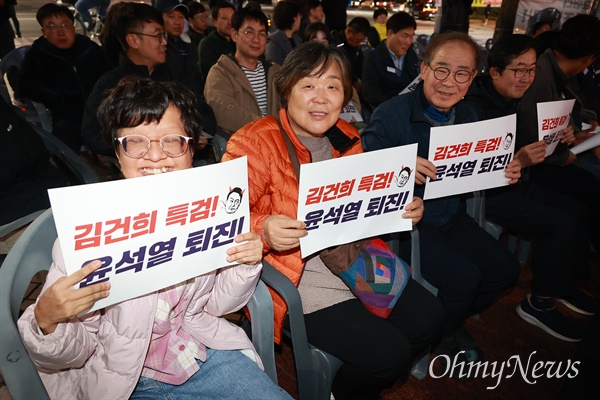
column 505, row 82
column 59, row 31
column 250, row 40
column 455, row 56
column 315, row 102
column 174, row 23
column 155, row 161
column 148, row 50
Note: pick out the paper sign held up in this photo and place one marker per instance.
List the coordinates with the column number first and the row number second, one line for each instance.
column 155, row 231
column 355, row 197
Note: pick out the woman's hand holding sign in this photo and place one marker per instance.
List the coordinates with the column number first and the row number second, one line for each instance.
column 283, row 233
column 61, row 301
column 246, row 253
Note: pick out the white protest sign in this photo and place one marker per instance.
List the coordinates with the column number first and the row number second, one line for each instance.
column 350, row 113
column 470, row 156
column 553, row 117
column 155, row 231
column 355, row 197
column 586, row 145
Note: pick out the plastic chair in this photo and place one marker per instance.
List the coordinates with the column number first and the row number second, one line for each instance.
column 74, row 164
column 33, row 253
column 34, row 112
column 315, row 368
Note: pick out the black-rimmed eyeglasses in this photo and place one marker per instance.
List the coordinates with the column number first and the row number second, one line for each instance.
column 159, row 36
column 137, row 146
column 521, row 72
column 442, row 73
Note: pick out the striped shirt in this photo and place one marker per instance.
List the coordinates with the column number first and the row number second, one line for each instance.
column 258, row 82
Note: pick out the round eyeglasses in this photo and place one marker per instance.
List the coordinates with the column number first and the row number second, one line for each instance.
column 521, row 72
column 442, row 73
column 137, row 146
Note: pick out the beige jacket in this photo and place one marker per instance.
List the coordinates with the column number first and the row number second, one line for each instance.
column 229, row 93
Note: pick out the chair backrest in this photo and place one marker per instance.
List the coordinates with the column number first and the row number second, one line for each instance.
column 84, row 173
column 13, row 59
column 34, row 111
column 32, row 253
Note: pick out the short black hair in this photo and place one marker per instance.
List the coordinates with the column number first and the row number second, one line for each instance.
column 505, row 50
column 214, row 12
column 400, row 20
column 132, row 17
column 312, row 4
column 136, row 101
column 359, row 25
column 579, row 37
column 378, row 12
column 52, row 9
column 311, row 31
column 248, row 13
column 194, row 8
column 284, row 14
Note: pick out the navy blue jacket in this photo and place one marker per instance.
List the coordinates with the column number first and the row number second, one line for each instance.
column 380, row 82
column 401, row 121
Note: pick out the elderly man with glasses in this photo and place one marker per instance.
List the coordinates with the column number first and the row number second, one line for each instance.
column 239, row 88
column 60, row 71
column 468, row 266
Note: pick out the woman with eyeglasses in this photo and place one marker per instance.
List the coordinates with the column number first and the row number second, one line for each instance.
column 313, row 86
column 170, row 344
column 468, row 266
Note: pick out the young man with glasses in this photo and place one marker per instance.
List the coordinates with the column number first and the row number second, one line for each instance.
column 60, row 71
column 558, row 224
column 469, row 267
column 198, row 23
column 239, row 88
column 139, row 29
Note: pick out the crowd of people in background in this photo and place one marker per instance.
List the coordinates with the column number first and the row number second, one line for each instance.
column 246, row 77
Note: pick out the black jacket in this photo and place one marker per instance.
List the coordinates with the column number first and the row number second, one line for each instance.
column 90, row 129
column 61, row 79
column 26, row 173
column 380, row 81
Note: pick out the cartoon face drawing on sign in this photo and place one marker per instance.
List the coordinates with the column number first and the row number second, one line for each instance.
column 234, row 199
column 403, row 176
column 508, row 140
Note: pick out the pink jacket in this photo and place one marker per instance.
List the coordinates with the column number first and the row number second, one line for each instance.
column 101, row 355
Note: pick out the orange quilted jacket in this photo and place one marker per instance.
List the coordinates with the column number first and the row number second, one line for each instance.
column 273, row 187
